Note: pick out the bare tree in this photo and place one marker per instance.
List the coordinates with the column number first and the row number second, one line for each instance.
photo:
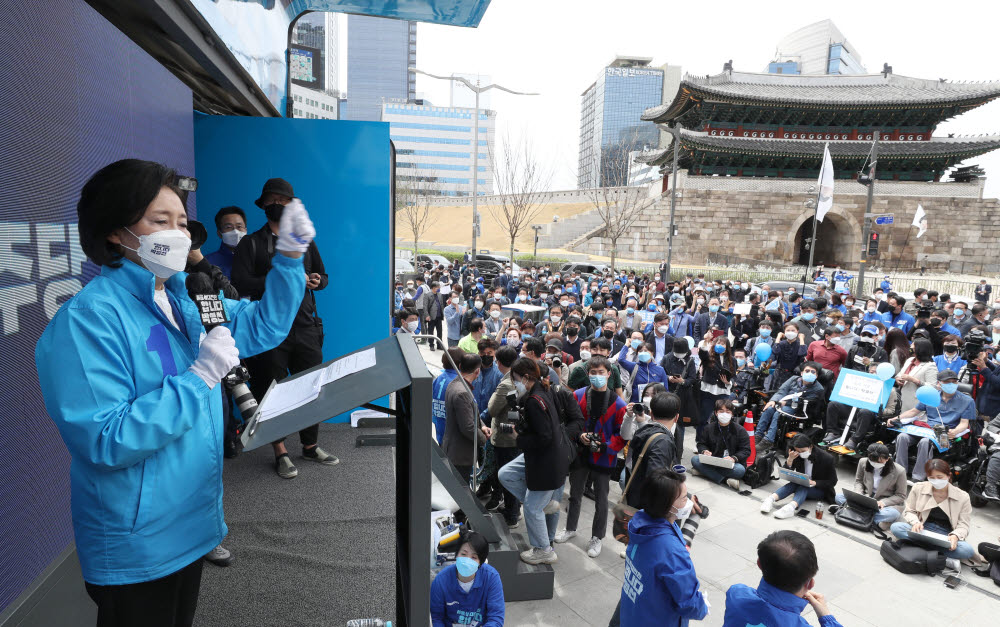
column 413, row 208
column 617, row 204
column 518, row 176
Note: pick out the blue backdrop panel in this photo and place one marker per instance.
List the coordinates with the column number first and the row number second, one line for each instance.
column 342, row 172
column 75, row 95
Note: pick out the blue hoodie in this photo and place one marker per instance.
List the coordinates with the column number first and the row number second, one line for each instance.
column 143, row 431
column 438, row 389
column 661, row 587
column 481, row 606
column 769, row 606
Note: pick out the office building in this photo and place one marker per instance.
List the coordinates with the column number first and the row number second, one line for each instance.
column 380, row 52
column 610, row 125
column 434, row 147
column 313, row 104
column 818, row 48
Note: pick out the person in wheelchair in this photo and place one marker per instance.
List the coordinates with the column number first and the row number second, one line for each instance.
column 991, row 437
column 814, row 462
column 956, row 413
column 806, row 386
column 725, row 439
column 937, row 505
column 882, row 479
column 745, row 376
column 864, row 357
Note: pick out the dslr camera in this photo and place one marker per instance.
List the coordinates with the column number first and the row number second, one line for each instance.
column 594, row 440
column 924, row 310
column 975, row 342
column 514, row 418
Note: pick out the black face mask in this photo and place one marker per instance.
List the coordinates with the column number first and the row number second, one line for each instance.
column 950, row 348
column 572, row 331
column 274, row 211
column 608, row 333
column 487, row 361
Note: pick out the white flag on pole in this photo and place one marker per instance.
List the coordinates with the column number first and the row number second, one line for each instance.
column 920, row 221
column 825, row 185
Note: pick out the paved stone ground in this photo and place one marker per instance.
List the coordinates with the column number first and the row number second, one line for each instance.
column 861, row 588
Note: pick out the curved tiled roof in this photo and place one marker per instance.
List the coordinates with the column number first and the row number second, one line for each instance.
column 830, row 89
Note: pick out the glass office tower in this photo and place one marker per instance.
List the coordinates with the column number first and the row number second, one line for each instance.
column 379, row 53
column 610, row 125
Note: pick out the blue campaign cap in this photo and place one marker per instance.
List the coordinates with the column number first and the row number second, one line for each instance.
column 870, row 328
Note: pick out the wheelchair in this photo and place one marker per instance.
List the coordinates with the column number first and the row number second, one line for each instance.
column 878, row 431
column 799, row 416
column 962, row 456
column 989, row 442
column 752, row 398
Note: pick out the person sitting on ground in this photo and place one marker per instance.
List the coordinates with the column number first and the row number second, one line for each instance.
column 660, row 584
column 813, row 462
column 808, row 389
column 938, row 506
column 468, row 591
column 883, row 480
column 788, row 566
column 956, row 412
column 723, row 439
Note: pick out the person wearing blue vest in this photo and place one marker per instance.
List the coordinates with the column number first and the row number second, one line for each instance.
column 132, row 382
column 230, row 226
column 788, row 565
column 438, row 389
column 660, row 586
column 896, row 318
column 468, row 592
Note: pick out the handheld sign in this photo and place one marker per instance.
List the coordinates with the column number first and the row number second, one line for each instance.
column 861, row 390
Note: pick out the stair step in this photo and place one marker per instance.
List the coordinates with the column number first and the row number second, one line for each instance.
column 521, row 582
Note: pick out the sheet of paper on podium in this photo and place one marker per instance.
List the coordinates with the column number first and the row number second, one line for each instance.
column 348, row 365
column 288, row 395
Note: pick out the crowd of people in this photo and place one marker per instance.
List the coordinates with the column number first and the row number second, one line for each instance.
column 587, row 379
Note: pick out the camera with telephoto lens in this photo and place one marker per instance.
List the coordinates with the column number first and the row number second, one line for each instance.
column 924, row 310
column 595, row 441
column 556, row 362
column 975, row 342
column 514, row 419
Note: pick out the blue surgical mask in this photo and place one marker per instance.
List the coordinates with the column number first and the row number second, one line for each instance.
column 598, row 380
column 839, row 328
column 645, row 357
column 719, row 348
column 808, row 316
column 635, row 343
column 765, row 332
column 630, row 310
column 809, row 377
column 949, row 388
column 713, row 308
column 740, row 362
column 598, row 315
column 466, row 566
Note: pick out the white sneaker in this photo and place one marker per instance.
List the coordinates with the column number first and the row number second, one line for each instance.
column 535, row 555
column 622, row 554
column 734, row 484
column 953, row 564
column 552, row 507
column 564, row 536
column 767, row 505
column 594, row 547
column 786, row 512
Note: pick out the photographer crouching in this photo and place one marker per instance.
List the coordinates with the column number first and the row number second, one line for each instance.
column 134, row 391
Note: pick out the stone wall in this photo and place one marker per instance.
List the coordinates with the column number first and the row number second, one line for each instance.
column 962, row 236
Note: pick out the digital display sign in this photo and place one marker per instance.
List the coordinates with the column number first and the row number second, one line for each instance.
column 305, row 65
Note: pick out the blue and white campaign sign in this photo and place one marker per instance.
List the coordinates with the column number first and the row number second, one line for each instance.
column 861, row 390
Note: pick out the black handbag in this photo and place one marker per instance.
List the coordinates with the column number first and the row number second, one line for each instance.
column 860, row 518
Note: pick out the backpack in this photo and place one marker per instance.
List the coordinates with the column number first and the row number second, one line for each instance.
column 910, row 558
column 761, row 472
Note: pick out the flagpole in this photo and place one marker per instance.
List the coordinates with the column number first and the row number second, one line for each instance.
column 812, row 242
column 866, row 228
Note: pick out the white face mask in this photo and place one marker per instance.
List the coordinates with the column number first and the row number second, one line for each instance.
column 454, row 301
column 555, row 319
column 939, row 484
column 876, row 465
column 724, row 418
column 163, row 253
column 232, row 238
column 494, row 314
column 479, row 304
column 662, row 329
column 685, row 510
column 412, row 326
column 806, row 454
column 585, row 355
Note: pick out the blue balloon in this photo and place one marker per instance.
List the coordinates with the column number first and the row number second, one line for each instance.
column 928, row 395
column 763, row 351
column 885, row 371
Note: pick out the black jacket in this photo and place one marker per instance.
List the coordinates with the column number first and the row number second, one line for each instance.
column 252, row 262
column 855, row 358
column 219, row 280
column 662, row 454
column 687, row 389
column 718, row 439
column 544, row 466
column 824, row 471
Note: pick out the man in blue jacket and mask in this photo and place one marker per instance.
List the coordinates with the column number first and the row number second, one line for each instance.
column 787, row 561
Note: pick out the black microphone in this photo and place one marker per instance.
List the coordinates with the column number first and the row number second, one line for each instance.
column 213, row 313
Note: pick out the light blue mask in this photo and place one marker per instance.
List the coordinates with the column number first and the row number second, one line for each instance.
column 808, row 316
column 635, row 343
column 740, row 362
column 839, row 328
column 645, row 357
column 598, row 380
column 630, row 310
column 598, row 316
column 713, row 308
column 719, row 348
column 466, row 566
column 809, row 377
column 765, row 332
column 949, row 388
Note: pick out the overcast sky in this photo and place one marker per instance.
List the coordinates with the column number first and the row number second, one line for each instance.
column 558, row 47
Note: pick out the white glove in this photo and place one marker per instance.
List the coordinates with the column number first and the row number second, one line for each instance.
column 295, row 230
column 704, row 596
column 216, row 357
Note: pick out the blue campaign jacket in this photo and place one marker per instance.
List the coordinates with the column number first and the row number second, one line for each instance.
column 768, row 606
column 661, row 587
column 481, row 606
column 438, row 413
column 144, row 432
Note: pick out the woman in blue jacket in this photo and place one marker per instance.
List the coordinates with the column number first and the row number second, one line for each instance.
column 132, row 382
column 644, row 371
column 661, row 587
column 468, row 592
